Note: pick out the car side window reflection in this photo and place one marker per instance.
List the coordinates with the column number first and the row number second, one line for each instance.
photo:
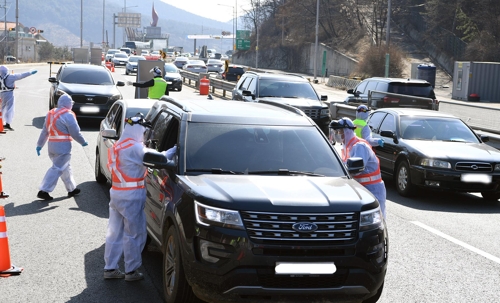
column 117, row 123
column 252, row 86
column 374, row 121
column 361, row 87
column 388, row 123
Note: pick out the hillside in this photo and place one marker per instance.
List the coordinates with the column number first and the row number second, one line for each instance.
column 61, row 22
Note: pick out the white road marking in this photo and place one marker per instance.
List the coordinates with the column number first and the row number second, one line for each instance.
column 451, row 239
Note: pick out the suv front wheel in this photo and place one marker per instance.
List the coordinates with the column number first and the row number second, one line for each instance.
column 176, row 287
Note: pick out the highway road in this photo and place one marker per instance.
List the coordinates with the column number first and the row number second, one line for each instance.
column 443, row 247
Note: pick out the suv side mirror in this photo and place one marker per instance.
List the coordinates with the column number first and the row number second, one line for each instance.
column 157, row 160
column 109, row 134
column 355, row 165
column 246, row 93
column 120, row 83
column 324, row 98
column 350, row 91
column 52, row 80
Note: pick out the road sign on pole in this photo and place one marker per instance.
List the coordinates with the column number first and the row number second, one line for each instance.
column 33, row 30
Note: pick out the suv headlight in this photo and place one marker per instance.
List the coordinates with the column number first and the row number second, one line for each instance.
column 370, row 219
column 208, row 215
column 325, row 112
column 435, row 163
column 115, row 97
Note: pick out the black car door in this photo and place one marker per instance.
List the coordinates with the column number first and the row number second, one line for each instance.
column 387, row 154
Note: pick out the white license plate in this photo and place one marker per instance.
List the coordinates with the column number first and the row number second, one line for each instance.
column 89, row 109
column 286, row 268
column 476, row 178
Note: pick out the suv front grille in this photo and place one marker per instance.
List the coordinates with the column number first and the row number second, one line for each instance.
column 82, row 99
column 473, row 166
column 313, row 113
column 338, row 228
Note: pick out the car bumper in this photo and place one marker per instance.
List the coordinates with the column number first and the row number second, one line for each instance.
column 245, row 271
column 176, row 84
column 120, row 63
column 452, row 180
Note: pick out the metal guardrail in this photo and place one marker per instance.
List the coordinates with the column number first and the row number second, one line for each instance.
column 224, row 86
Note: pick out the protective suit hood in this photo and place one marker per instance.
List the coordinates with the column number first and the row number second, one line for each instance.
column 135, row 132
column 65, row 101
column 4, row 70
column 362, row 112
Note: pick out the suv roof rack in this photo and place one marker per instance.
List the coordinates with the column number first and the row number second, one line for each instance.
column 284, row 106
column 175, row 102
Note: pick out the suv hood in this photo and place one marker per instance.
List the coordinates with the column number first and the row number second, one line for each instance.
column 296, row 102
column 261, row 193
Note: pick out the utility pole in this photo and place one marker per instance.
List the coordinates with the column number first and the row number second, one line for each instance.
column 81, row 23
column 103, row 11
column 316, row 41
column 257, row 34
column 17, row 25
column 6, row 35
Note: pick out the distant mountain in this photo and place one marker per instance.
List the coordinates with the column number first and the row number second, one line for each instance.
column 61, row 22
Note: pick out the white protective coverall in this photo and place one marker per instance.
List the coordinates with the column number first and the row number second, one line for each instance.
column 126, row 232
column 60, row 149
column 362, row 149
column 7, row 93
column 366, row 132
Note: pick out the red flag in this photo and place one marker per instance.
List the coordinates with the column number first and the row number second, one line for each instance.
column 155, row 17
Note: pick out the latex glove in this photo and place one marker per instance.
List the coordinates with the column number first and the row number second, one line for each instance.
column 171, row 152
column 38, row 149
column 380, row 142
column 129, row 83
column 34, row 72
column 85, row 143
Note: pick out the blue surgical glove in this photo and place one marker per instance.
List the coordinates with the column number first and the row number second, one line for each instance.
column 380, row 142
column 38, row 149
column 85, row 143
column 34, row 72
column 171, row 152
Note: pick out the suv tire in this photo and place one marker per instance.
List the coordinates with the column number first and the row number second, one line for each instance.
column 376, row 296
column 403, row 180
column 176, row 288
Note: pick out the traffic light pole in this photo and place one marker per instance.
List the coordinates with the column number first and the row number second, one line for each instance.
column 17, row 25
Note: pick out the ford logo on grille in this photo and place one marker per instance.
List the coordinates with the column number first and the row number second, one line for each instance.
column 305, row 227
column 90, row 98
column 474, row 167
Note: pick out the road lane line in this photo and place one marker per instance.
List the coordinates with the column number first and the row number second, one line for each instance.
column 451, row 239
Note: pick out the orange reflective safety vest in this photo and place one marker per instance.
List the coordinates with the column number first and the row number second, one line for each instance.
column 121, row 181
column 56, row 135
column 364, row 179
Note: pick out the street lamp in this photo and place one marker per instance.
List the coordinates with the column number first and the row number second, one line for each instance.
column 234, row 20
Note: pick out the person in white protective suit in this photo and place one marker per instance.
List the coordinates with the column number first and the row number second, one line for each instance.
column 59, row 129
column 352, row 146
column 362, row 129
column 126, row 233
column 7, row 85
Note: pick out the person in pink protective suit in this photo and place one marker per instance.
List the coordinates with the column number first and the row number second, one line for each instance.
column 59, row 129
column 7, row 85
column 352, row 146
column 126, row 234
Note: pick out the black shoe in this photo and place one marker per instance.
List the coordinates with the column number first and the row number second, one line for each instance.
column 74, row 192
column 44, row 195
column 7, row 126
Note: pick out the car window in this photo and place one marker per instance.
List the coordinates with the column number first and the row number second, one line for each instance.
column 86, row 76
column 120, row 55
column 361, row 87
column 112, row 114
column 252, row 86
column 286, row 89
column 374, row 121
column 135, row 59
column 117, row 122
column 382, row 86
column 389, row 123
column 245, row 82
column 235, row 70
column 372, row 85
column 444, row 129
column 170, row 68
column 159, row 128
column 250, row 148
column 412, row 89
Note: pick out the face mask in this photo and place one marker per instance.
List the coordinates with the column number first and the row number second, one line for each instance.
column 338, row 138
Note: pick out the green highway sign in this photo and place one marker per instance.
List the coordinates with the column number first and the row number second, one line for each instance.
column 242, row 44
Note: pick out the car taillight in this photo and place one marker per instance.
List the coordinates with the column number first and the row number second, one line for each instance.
column 391, row 100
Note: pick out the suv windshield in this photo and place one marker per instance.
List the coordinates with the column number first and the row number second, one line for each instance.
column 86, row 76
column 286, row 89
column 412, row 89
column 246, row 149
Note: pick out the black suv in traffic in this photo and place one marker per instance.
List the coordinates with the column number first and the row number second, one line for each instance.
column 256, row 204
column 289, row 89
column 393, row 92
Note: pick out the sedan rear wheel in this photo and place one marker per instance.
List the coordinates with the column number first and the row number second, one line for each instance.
column 403, row 180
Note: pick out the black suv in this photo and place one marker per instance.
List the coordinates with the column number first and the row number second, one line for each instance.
column 394, row 92
column 289, row 89
column 256, row 204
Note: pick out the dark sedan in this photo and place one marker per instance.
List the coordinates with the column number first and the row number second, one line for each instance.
column 173, row 77
column 434, row 150
column 91, row 87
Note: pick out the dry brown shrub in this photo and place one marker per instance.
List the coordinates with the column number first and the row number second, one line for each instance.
column 372, row 63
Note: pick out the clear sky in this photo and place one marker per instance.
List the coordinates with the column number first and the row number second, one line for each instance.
column 211, row 8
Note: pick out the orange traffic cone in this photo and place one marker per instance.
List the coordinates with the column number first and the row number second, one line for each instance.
column 6, row 268
column 113, row 67
column 2, row 194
